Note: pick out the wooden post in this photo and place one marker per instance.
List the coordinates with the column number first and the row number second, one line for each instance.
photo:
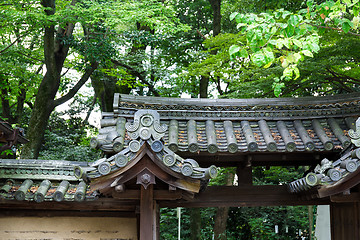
column 148, row 214
column 345, row 220
column 244, row 173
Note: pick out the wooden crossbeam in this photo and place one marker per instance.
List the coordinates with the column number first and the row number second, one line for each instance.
column 245, row 196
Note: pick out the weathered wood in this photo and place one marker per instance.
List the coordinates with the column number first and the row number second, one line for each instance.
column 80, row 192
column 42, row 190
column 120, row 130
column 147, row 213
column 244, row 174
column 341, row 198
column 23, row 189
column 158, row 195
column 232, row 146
column 288, row 140
column 345, row 221
column 212, row 146
column 345, row 141
column 320, row 132
column 245, row 196
column 193, row 145
column 269, row 140
column 61, row 191
column 174, row 135
column 349, row 181
column 249, row 136
column 65, row 213
column 138, row 164
column 308, row 142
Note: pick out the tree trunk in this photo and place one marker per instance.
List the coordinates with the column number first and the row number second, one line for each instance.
column 105, row 87
column 311, row 221
column 204, row 84
column 55, row 53
column 216, row 6
column 195, row 224
column 222, row 214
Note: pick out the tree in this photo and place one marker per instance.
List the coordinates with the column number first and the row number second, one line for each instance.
column 55, row 26
column 288, row 38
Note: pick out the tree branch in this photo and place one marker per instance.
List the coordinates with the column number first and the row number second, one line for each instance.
column 28, row 56
column 17, row 39
column 77, row 86
column 137, row 74
column 201, row 35
column 86, row 120
column 333, row 28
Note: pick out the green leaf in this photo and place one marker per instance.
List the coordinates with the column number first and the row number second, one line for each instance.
column 258, row 58
column 234, row 49
column 285, row 14
column 273, row 30
column 233, row 15
column 293, row 20
column 241, row 25
column 310, row 3
column 290, row 30
column 277, row 86
column 345, row 27
column 279, row 43
column 297, row 43
column 239, row 18
column 356, row 11
column 285, row 63
column 314, row 47
column 243, row 53
column 297, row 73
column 297, row 57
column 273, row 42
column 268, row 65
column 288, row 72
column 307, row 53
column 269, row 56
column 277, row 14
column 287, row 43
column 347, row 2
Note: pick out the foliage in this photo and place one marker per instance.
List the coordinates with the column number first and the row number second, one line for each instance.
column 287, row 38
column 68, row 137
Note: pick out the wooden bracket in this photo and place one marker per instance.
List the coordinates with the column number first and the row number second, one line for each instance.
column 145, row 178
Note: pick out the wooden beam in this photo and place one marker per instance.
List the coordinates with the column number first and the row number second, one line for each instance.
column 341, row 198
column 63, row 213
column 158, row 195
column 102, row 204
column 245, row 196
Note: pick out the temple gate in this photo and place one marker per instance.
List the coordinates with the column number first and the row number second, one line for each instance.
column 162, row 152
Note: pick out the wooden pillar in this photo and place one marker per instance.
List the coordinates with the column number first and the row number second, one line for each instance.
column 345, row 220
column 148, row 214
column 244, row 173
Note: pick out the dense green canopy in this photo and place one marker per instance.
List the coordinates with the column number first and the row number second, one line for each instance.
column 49, row 49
